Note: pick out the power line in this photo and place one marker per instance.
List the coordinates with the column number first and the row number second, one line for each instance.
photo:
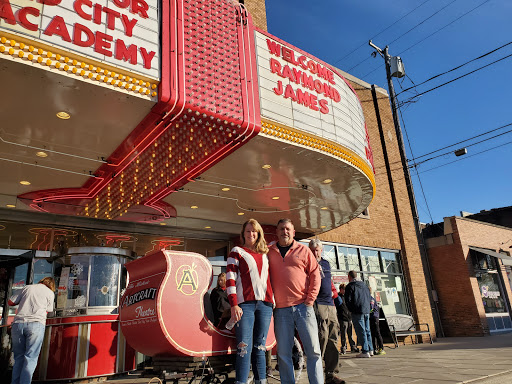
column 447, row 25
column 384, row 30
column 432, row 34
column 417, row 25
column 463, row 141
column 470, row 145
column 419, row 179
column 451, row 81
column 454, row 69
column 403, row 34
column 465, row 157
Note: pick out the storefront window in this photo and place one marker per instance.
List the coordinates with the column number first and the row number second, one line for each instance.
column 370, row 260
column 493, row 300
column 388, row 290
column 329, row 254
column 390, row 262
column 348, row 258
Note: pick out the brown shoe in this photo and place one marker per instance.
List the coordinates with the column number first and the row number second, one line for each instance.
column 334, row 380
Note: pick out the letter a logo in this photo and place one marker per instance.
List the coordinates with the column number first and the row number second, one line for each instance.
column 186, row 279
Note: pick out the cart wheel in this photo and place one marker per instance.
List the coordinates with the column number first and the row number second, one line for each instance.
column 210, row 379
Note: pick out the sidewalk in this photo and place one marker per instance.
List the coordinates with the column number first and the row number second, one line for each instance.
column 475, row 360
column 449, row 360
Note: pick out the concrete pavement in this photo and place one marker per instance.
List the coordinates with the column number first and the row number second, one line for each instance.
column 476, row 360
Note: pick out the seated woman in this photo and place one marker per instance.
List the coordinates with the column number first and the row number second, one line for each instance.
column 220, row 304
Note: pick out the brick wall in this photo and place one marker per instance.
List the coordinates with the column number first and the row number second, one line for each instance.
column 382, row 228
column 460, row 303
column 258, row 12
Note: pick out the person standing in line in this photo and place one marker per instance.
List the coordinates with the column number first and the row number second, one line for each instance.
column 375, row 326
column 357, row 298
column 328, row 327
column 345, row 321
column 295, row 277
column 34, row 301
column 220, row 303
column 251, row 298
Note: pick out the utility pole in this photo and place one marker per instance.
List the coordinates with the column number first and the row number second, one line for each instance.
column 410, row 191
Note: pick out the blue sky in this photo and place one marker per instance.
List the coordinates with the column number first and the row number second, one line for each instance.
column 461, row 30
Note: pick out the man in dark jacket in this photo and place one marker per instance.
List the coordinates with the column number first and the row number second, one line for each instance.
column 345, row 321
column 357, row 298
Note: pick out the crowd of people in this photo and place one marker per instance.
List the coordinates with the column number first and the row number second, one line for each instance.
column 284, row 279
column 293, row 283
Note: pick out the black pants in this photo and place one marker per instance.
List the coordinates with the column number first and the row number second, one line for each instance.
column 346, row 333
column 376, row 337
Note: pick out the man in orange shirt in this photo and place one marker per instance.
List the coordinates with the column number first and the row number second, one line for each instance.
column 295, row 279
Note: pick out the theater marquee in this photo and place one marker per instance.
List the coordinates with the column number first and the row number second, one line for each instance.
column 299, row 91
column 123, row 33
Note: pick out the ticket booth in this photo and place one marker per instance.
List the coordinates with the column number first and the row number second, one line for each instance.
column 82, row 337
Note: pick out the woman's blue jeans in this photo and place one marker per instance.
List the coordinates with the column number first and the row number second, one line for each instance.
column 251, row 336
column 27, row 339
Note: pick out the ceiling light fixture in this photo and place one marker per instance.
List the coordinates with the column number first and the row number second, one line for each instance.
column 207, row 227
column 323, row 226
column 327, row 181
column 194, row 206
column 275, row 198
column 63, row 115
column 325, row 208
column 163, row 223
column 24, row 182
column 10, row 206
column 226, row 189
column 41, row 154
column 267, row 166
column 241, row 213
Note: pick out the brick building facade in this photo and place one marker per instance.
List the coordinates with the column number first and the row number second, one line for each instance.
column 462, row 284
column 389, row 223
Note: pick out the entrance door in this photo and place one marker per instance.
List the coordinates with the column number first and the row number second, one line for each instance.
column 15, row 272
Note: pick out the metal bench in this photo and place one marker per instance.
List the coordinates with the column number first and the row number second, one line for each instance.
column 404, row 325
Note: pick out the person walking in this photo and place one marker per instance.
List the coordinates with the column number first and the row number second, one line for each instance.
column 34, row 301
column 357, row 298
column 345, row 321
column 328, row 327
column 295, row 278
column 375, row 326
column 251, row 298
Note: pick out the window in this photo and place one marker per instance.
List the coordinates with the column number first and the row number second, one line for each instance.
column 103, row 290
column 389, row 292
column 490, row 291
column 348, row 258
column 42, row 269
column 370, row 260
column 20, row 281
column 390, row 262
column 329, row 254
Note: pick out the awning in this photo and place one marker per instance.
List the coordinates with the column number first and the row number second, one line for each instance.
column 507, row 260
